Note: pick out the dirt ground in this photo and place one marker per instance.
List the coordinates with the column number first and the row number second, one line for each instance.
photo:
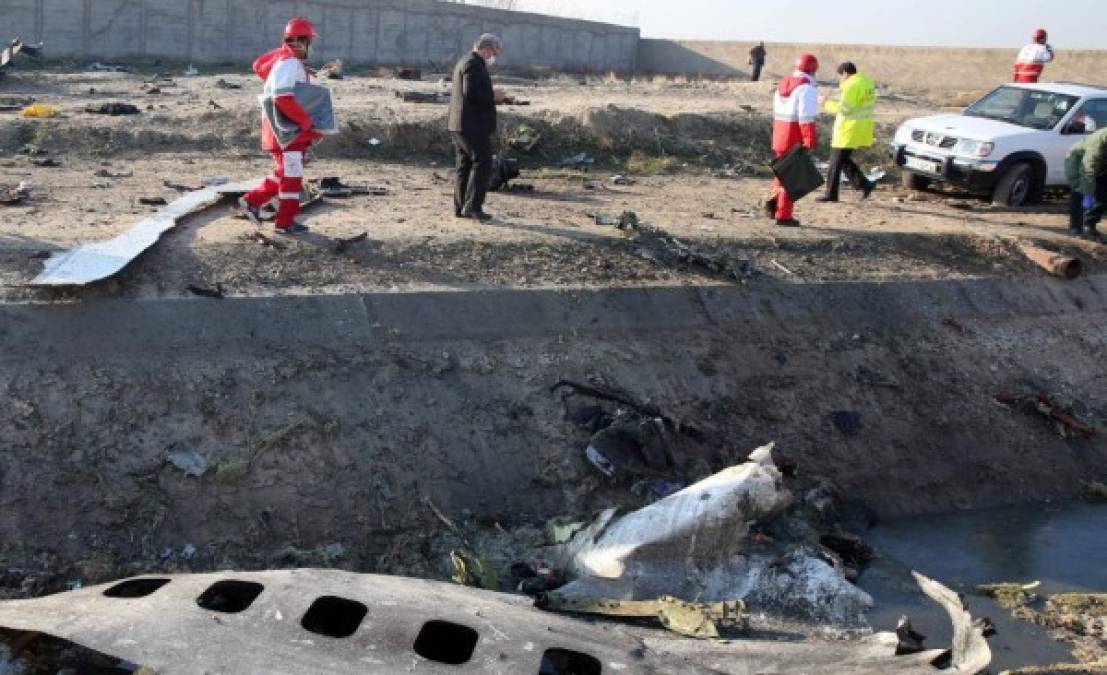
column 548, row 237
column 322, row 444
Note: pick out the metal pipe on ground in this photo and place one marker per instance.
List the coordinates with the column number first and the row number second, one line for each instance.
column 1057, row 264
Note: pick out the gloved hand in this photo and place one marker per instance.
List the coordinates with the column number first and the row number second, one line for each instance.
column 1089, row 202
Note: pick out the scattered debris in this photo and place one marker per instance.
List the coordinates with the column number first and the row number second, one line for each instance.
column 955, row 325
column 343, row 244
column 412, row 74
column 656, row 489
column 846, row 421
column 100, row 260
column 1010, row 595
column 1095, row 491
column 504, row 170
column 423, row 96
column 782, row 268
column 214, row 181
column 596, row 458
column 524, row 139
column 1062, row 418
column 690, row 619
column 191, row 71
column 658, row 246
column 332, row 70
column 17, row 47
column 622, row 179
column 960, row 204
column 40, row 110
column 261, row 238
column 216, row 293
column 104, row 173
column 1057, row 264
column 469, row 570
column 191, row 462
column 46, row 162
column 736, row 170
column 578, row 161
column 113, row 108
column 110, row 68
column 374, row 142
column 15, row 103
column 513, row 100
column 152, row 201
column 223, row 84
column 13, row 196
column 910, row 640
column 179, row 187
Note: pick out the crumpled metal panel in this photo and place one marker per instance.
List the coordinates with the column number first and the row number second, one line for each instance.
column 95, row 262
column 170, row 633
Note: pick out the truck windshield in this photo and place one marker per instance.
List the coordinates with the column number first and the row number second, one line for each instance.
column 1024, row 107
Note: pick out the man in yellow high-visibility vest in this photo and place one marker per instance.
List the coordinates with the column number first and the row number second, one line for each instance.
column 853, row 129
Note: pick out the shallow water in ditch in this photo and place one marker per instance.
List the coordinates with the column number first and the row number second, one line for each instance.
column 1063, row 545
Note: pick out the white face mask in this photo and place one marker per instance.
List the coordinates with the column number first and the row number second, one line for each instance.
column 491, row 60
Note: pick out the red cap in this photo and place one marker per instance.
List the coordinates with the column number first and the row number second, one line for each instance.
column 299, row 28
column 807, row 64
column 1040, row 35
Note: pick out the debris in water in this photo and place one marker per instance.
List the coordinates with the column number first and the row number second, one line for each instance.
column 191, row 462
column 1010, row 595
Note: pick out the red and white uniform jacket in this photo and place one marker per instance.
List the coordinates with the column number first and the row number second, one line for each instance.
column 282, row 70
column 1031, row 62
column 795, row 106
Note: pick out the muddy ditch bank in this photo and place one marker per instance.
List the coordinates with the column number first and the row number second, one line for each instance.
column 608, row 135
column 252, row 433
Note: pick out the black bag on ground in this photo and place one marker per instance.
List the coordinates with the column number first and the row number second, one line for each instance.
column 504, row 170
column 797, row 172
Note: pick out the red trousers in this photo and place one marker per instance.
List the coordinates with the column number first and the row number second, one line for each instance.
column 284, row 183
column 784, row 204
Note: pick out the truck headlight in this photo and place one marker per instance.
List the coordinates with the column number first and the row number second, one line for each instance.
column 972, row 148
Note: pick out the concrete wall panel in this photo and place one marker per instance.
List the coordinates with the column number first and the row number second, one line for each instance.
column 363, row 32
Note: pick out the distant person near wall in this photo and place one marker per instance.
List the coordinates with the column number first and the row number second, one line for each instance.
column 853, row 129
column 282, row 69
column 757, row 61
column 795, row 106
column 1033, row 58
column 472, row 124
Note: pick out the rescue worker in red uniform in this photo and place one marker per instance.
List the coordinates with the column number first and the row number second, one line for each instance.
column 282, row 69
column 1033, row 58
column 795, row 106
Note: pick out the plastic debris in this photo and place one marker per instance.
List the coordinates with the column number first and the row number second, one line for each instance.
column 191, row 462
column 40, row 110
column 597, row 459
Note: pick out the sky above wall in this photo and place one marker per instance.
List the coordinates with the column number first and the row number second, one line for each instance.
column 1073, row 24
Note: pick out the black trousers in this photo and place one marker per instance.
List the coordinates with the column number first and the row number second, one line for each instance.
column 474, row 170
column 755, row 75
column 1079, row 221
column 841, row 161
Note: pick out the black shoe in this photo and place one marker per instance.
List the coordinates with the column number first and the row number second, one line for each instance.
column 787, row 222
column 477, row 215
column 867, row 191
column 823, row 199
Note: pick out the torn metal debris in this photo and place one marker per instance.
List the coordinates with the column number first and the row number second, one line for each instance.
column 441, row 97
column 17, row 47
column 1063, row 418
column 690, row 619
column 95, row 262
column 273, row 622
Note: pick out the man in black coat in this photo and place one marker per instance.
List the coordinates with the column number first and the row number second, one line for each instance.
column 757, row 61
column 472, row 125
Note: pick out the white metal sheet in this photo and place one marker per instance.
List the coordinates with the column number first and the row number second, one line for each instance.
column 97, row 261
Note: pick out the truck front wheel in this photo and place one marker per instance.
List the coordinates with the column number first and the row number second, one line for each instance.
column 913, row 181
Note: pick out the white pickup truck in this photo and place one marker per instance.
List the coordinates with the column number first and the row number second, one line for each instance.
column 1011, row 144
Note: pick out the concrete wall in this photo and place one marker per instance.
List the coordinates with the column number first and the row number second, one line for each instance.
column 902, row 67
column 389, row 32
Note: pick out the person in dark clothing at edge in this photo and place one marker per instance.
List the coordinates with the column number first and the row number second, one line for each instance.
column 472, row 124
column 757, row 61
